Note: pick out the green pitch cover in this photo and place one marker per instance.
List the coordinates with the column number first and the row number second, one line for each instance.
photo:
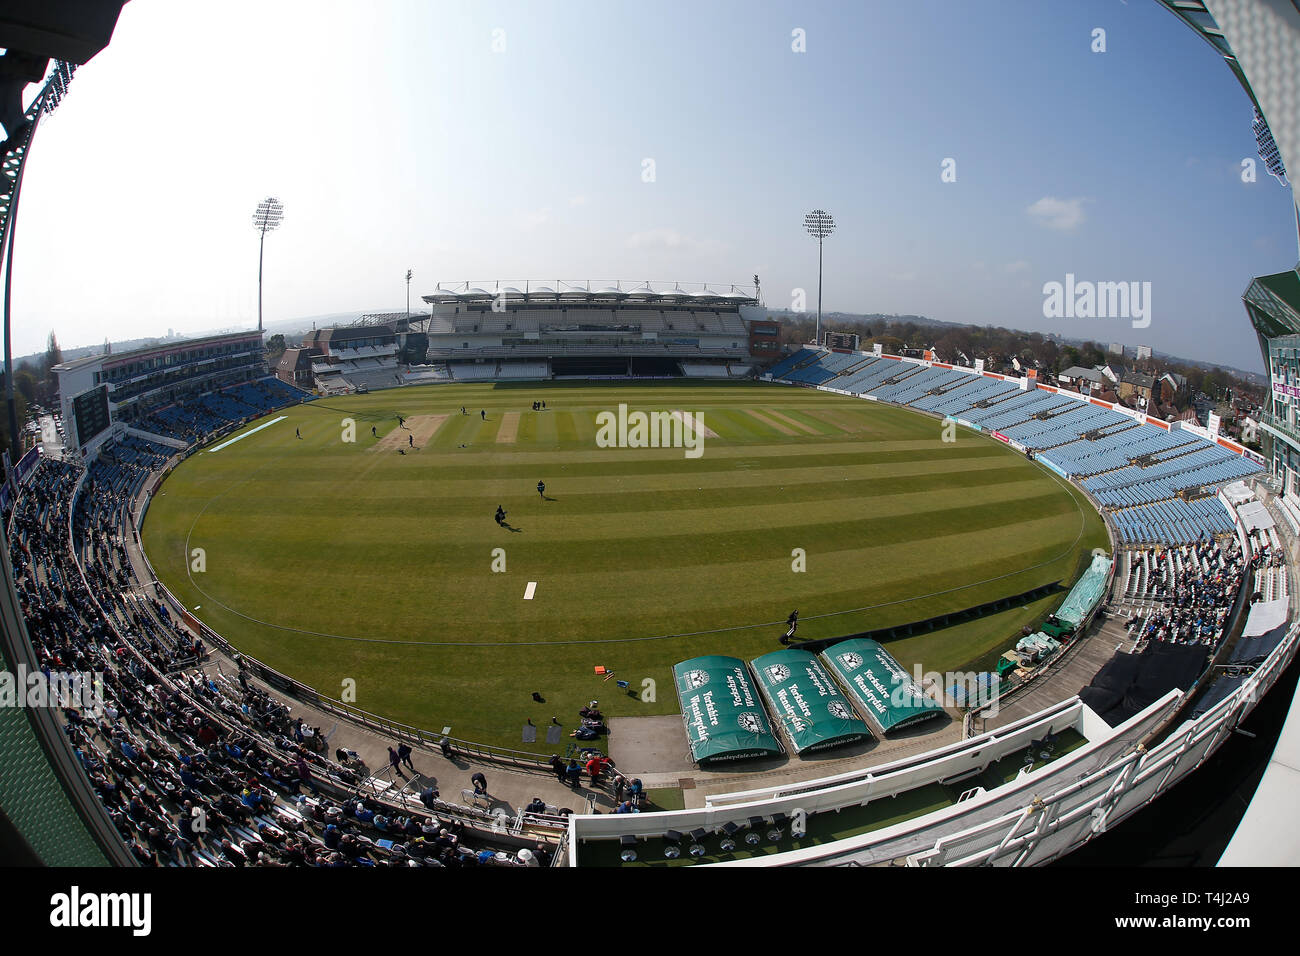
column 724, row 717
column 886, row 692
column 1086, row 593
column 806, row 702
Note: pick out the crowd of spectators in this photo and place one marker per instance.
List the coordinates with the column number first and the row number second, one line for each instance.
column 1193, row 594
column 194, row 418
column 194, row 766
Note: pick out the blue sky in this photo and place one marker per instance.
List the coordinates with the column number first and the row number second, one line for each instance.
column 508, row 140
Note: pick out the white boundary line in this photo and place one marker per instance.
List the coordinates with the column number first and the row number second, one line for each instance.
column 253, row 431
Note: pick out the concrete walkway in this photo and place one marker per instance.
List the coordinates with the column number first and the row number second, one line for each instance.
column 52, row 444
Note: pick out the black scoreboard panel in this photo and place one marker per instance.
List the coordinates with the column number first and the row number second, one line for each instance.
column 91, row 411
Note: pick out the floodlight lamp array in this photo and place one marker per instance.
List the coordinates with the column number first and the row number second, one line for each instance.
column 819, row 223
column 56, row 87
column 269, row 215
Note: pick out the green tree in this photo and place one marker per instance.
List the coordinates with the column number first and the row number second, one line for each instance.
column 53, row 354
column 20, row 410
column 26, row 382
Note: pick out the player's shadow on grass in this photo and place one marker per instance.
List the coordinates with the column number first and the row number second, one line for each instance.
column 509, row 527
column 549, row 498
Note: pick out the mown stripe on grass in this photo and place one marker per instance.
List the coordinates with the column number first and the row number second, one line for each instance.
column 405, row 549
column 566, row 428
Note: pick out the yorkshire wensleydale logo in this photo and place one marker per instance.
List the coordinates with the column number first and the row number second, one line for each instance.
column 673, row 429
column 750, row 722
column 696, row 678
column 851, row 661
column 777, row 673
column 839, row 710
column 98, row 910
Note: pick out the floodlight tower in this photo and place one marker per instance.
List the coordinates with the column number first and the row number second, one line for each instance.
column 819, row 225
column 269, row 215
column 409, row 273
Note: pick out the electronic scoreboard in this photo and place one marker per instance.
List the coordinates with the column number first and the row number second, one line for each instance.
column 91, row 412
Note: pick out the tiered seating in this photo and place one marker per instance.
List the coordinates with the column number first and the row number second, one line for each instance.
column 474, row 371
column 731, row 322
column 197, row 417
column 376, row 377
column 963, row 393
column 415, row 375
column 524, row 370
column 1134, row 468
column 1172, row 520
column 1134, row 485
column 875, row 372
column 1012, row 410
column 823, row 371
column 1065, row 424
column 908, row 379
column 792, row 362
column 1074, row 456
column 912, row 388
column 1290, row 511
column 168, row 744
column 1271, row 583
column 1144, row 441
column 121, row 469
column 704, row 370
column 1185, row 594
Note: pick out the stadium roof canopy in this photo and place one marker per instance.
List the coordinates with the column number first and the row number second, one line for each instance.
column 166, row 345
column 1273, row 304
column 572, row 292
column 1198, row 16
column 1258, row 42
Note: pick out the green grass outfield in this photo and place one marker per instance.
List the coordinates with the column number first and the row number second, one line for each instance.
column 336, row 561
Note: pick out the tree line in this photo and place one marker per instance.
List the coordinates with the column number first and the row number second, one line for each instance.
column 34, row 384
column 998, row 346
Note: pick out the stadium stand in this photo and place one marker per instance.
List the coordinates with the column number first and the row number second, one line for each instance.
column 1183, row 594
column 1155, row 484
column 192, row 420
column 171, row 745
